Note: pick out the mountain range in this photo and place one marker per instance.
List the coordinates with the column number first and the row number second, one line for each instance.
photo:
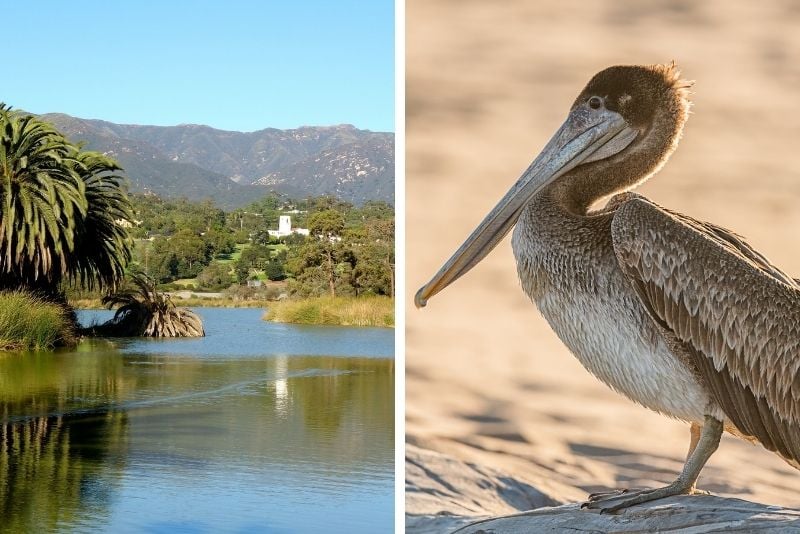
column 236, row 168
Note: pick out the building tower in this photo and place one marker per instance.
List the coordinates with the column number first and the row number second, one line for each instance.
column 284, row 225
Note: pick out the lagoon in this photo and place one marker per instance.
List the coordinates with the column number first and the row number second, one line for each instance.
column 258, row 427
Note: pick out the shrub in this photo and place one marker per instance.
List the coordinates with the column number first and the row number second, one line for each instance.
column 274, row 271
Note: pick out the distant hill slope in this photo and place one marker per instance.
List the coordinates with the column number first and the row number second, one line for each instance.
column 357, row 171
column 234, row 168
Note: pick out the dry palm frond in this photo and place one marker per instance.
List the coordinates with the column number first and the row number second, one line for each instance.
column 144, row 311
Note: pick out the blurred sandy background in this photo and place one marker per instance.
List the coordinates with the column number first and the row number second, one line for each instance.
column 488, row 383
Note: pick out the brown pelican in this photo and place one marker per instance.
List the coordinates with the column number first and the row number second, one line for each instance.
column 679, row 315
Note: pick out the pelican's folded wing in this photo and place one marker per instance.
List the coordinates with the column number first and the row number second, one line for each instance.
column 736, row 315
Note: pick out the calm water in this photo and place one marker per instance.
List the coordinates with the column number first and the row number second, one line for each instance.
column 258, row 427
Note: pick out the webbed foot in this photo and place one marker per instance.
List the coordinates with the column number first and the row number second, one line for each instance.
column 614, row 501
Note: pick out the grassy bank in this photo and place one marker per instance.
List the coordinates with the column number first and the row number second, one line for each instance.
column 27, row 322
column 343, row 311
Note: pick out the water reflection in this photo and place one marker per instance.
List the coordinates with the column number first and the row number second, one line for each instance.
column 110, row 440
column 281, row 386
column 55, row 469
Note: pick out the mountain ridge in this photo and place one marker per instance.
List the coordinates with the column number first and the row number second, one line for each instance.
column 233, row 168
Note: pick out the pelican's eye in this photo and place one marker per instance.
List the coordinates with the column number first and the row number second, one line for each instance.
column 595, row 102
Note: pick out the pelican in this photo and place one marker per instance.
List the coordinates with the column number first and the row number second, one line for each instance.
column 680, row 316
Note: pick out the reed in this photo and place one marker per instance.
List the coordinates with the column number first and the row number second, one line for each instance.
column 342, row 311
column 30, row 323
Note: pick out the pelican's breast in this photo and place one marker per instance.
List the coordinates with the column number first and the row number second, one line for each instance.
column 573, row 278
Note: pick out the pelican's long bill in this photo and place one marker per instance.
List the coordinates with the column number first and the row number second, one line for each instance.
column 586, row 135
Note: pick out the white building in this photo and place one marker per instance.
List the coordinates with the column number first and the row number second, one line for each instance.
column 285, row 228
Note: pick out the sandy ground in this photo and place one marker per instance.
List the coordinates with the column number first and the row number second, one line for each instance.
column 488, row 384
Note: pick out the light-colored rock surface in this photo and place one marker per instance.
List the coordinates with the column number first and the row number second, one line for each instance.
column 693, row 515
column 488, row 384
column 444, row 494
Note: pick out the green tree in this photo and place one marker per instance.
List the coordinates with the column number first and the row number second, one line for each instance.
column 275, row 270
column 161, row 262
column 327, row 225
column 328, row 203
column 241, row 271
column 220, row 241
column 241, row 236
column 191, row 251
column 255, row 256
column 374, row 271
column 293, row 239
column 374, row 249
column 261, row 237
column 165, row 217
column 216, row 276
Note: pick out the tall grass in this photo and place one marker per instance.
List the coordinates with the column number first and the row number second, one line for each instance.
column 28, row 322
column 344, row 311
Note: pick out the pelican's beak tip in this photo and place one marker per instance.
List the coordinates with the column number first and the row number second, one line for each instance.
column 419, row 300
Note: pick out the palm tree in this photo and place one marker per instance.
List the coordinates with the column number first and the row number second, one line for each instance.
column 102, row 245
column 143, row 311
column 62, row 211
column 41, row 198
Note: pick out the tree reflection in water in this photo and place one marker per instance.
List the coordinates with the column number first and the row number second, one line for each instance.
column 267, row 434
column 49, row 469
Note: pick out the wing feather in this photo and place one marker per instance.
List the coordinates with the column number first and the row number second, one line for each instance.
column 735, row 315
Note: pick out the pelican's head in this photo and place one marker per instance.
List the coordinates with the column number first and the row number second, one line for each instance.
column 619, row 131
column 653, row 102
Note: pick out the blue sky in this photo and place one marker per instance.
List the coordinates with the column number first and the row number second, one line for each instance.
column 232, row 64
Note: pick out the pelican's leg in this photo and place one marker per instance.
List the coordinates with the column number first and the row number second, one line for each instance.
column 700, row 451
column 694, row 435
column 695, row 430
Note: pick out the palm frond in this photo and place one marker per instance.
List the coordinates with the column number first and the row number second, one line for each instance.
column 144, row 311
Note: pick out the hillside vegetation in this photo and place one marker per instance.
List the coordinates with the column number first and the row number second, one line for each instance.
column 195, row 246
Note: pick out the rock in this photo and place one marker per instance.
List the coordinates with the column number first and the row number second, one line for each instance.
column 696, row 514
column 444, row 494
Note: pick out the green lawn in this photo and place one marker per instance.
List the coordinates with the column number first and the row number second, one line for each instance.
column 229, row 258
